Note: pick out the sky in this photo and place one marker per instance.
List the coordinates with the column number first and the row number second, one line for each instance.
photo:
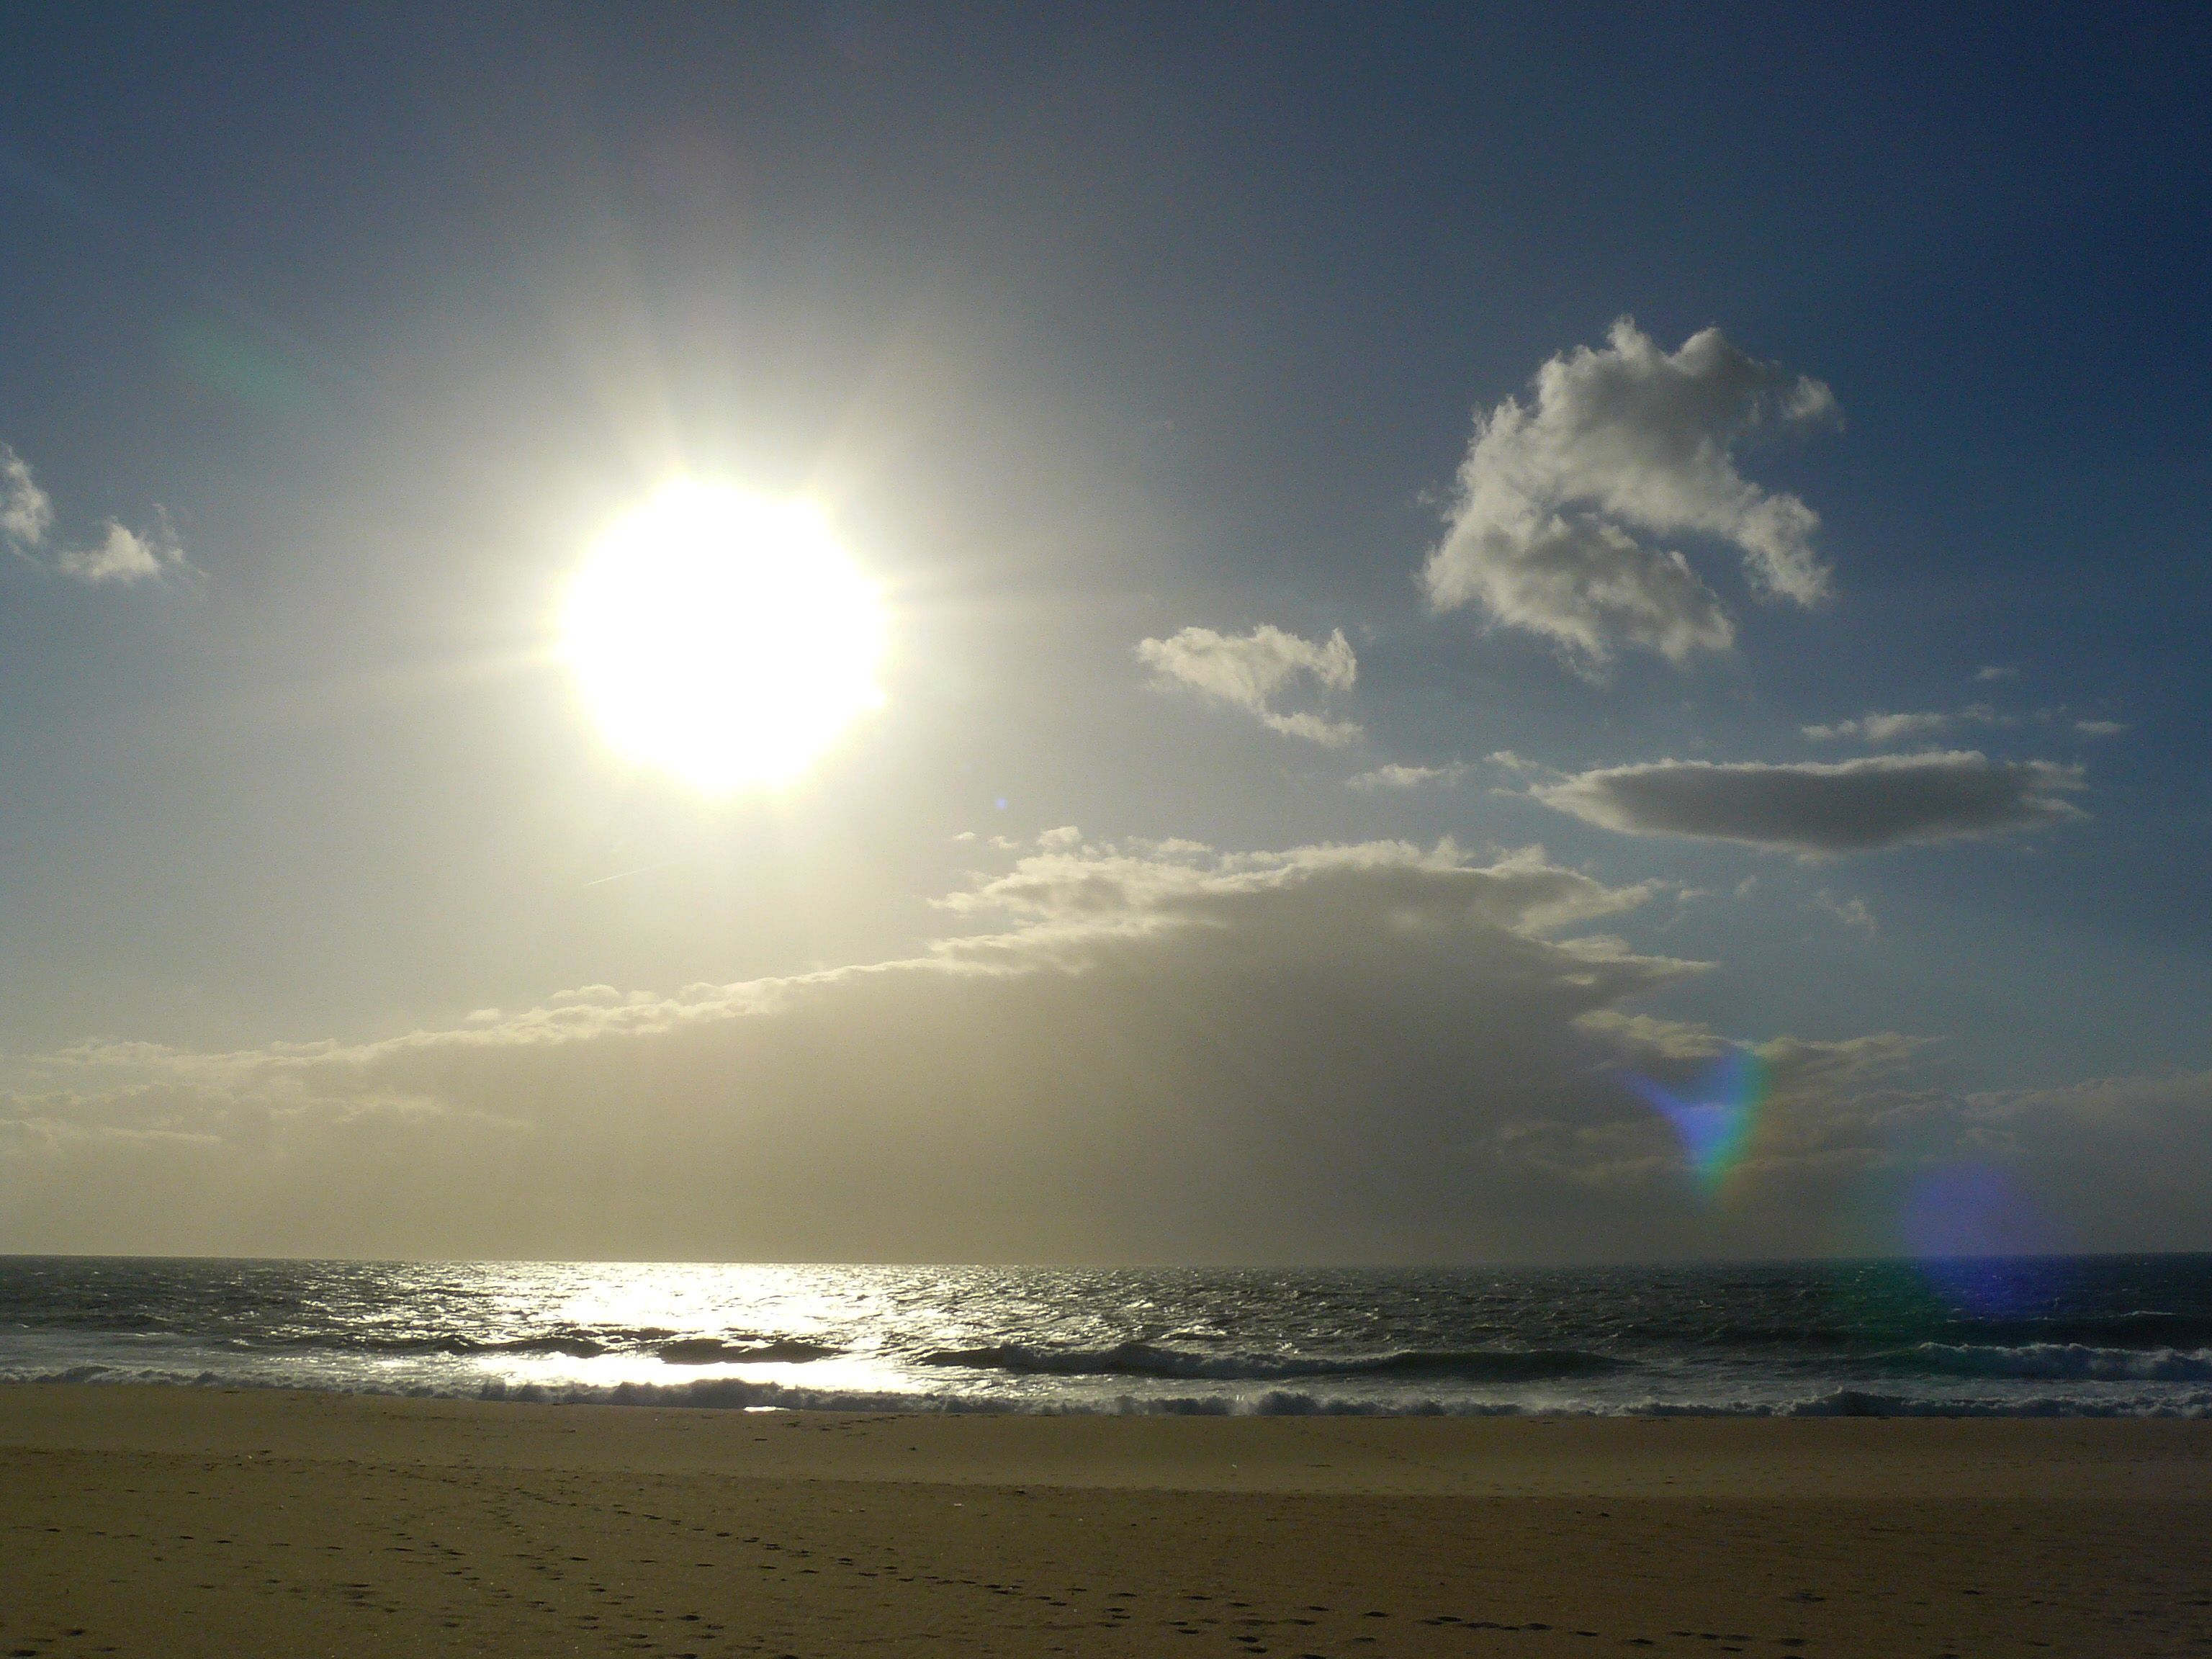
column 1507, row 634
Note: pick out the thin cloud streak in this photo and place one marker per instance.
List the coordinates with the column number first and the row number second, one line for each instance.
column 1397, row 776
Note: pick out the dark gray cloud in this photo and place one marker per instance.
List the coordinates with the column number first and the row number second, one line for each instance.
column 1819, row 808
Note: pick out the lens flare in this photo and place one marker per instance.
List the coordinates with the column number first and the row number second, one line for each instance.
column 1977, row 1238
column 1714, row 1117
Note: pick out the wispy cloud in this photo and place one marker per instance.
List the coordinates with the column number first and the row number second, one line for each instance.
column 1395, row 776
column 1620, row 443
column 1883, row 730
column 121, row 556
column 1253, row 670
column 25, row 512
column 1852, row 912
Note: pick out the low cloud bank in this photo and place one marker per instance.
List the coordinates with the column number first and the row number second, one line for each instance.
column 1135, row 1052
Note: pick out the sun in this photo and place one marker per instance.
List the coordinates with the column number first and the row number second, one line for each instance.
column 725, row 637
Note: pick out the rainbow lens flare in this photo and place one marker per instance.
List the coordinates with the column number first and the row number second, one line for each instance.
column 1714, row 1115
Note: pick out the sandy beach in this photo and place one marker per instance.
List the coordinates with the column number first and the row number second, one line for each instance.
column 196, row 1522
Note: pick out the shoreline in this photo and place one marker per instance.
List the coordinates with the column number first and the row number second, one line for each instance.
column 1520, row 1456
column 199, row 1521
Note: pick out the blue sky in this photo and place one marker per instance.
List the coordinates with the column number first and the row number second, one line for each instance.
column 1087, row 326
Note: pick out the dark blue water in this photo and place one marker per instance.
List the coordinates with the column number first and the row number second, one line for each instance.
column 2087, row 1336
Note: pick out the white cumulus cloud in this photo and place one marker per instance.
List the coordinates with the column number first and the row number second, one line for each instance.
column 1254, row 670
column 1822, row 808
column 1620, row 443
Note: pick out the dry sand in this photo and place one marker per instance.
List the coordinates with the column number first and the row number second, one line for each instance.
column 188, row 1522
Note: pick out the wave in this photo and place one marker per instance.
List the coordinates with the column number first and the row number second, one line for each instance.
column 2139, row 1329
column 713, row 1351
column 1862, row 1402
column 1147, row 1359
column 571, row 1344
column 2072, row 1362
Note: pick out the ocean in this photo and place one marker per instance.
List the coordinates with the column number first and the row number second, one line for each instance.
column 2089, row 1336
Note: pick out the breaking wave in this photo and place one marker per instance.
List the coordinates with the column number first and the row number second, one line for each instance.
column 2057, row 1361
column 735, row 1393
column 662, row 1344
column 1145, row 1359
column 2141, row 1328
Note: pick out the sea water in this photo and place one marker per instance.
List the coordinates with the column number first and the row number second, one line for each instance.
column 2043, row 1336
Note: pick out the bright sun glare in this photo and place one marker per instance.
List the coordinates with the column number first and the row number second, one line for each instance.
column 725, row 637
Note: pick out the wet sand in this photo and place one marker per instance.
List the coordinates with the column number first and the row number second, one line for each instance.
column 193, row 1521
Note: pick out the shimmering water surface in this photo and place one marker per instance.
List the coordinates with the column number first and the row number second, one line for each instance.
column 2105, row 1335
